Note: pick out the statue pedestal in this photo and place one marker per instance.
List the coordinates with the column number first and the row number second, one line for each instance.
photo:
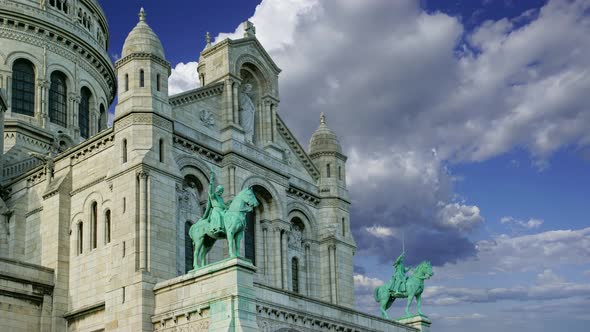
column 422, row 323
column 217, row 297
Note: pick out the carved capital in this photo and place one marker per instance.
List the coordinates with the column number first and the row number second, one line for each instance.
column 143, row 174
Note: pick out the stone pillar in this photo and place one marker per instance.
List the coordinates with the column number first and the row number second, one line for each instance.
column 273, row 122
column 422, row 323
column 42, row 115
column 331, row 256
column 236, row 99
column 232, row 180
column 267, row 121
column 277, row 255
column 284, row 270
column 228, row 117
column 143, row 219
column 264, row 249
column 307, row 270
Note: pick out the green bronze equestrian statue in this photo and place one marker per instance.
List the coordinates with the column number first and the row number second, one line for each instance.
column 400, row 286
column 221, row 221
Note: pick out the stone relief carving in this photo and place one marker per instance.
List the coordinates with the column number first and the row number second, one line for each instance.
column 295, row 238
column 207, row 118
column 247, row 111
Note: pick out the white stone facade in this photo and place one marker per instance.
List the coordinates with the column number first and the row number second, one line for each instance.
column 95, row 231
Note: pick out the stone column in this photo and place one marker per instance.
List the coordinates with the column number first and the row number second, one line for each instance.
column 284, row 259
column 277, row 255
column 267, row 121
column 73, row 113
column 42, row 102
column 143, row 219
column 273, row 123
column 229, row 104
column 236, row 99
column 232, row 180
column 264, row 249
column 307, row 270
column 331, row 249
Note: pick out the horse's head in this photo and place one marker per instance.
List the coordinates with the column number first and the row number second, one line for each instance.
column 248, row 198
column 424, row 270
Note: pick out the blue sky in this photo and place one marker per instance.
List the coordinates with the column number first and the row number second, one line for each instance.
column 467, row 127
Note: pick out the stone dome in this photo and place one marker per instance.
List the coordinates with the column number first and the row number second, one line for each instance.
column 142, row 39
column 324, row 139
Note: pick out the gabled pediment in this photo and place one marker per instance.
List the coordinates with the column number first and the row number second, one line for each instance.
column 299, row 156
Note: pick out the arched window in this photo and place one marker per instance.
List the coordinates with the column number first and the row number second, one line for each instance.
column 328, row 170
column 58, row 109
column 80, row 238
column 102, row 119
column 126, row 82
column 84, row 112
column 188, row 248
column 141, row 78
column 158, row 82
column 124, row 150
column 107, row 226
column 249, row 238
column 23, row 87
column 94, row 224
column 295, row 274
column 161, row 150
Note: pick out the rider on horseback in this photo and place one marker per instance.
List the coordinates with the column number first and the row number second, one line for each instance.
column 216, row 207
column 398, row 287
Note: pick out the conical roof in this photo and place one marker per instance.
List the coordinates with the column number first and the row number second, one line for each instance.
column 142, row 39
column 324, row 139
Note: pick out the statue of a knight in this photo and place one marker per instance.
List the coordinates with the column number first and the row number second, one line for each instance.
column 398, row 287
column 215, row 210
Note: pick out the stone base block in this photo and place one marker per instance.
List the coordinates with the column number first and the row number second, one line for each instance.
column 420, row 322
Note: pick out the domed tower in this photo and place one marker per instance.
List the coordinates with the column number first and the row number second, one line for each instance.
column 142, row 116
column 337, row 245
column 57, row 74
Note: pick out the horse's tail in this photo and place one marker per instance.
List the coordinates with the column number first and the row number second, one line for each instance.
column 376, row 293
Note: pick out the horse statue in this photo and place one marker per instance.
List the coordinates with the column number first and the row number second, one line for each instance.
column 220, row 222
column 412, row 287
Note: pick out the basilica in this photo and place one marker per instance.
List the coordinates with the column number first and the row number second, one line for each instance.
column 94, row 220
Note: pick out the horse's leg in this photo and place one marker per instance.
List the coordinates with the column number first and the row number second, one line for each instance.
column 383, row 305
column 206, row 250
column 419, row 303
column 230, row 243
column 238, row 240
column 410, row 298
column 198, row 245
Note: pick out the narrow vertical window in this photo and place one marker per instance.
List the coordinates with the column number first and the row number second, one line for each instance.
column 80, row 238
column 339, row 172
column 328, row 170
column 124, row 204
column 188, row 248
column 102, row 118
column 295, row 274
column 94, row 226
column 124, row 150
column 58, row 99
column 84, row 112
column 249, row 238
column 107, row 226
column 343, row 227
column 23, row 87
column 161, row 149
column 126, row 82
column 158, row 82
column 141, row 78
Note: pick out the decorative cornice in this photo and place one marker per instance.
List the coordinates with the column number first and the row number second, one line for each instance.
column 187, row 144
column 34, row 211
column 83, row 311
column 303, row 195
column 88, row 185
column 299, row 152
column 142, row 56
column 141, row 118
column 197, row 94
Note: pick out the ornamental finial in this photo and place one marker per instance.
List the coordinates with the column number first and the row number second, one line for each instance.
column 323, row 118
column 208, row 38
column 142, row 15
